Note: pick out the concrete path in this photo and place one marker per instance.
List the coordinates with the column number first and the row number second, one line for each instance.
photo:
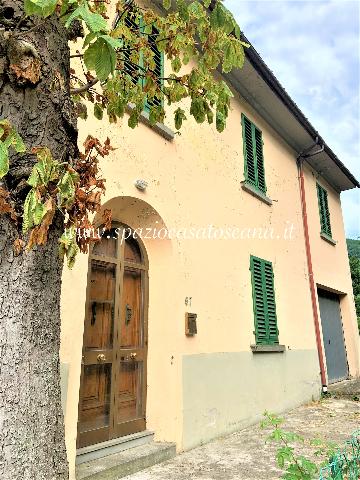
column 245, row 455
column 348, row 389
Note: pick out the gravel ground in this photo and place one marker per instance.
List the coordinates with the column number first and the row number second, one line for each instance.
column 246, row 456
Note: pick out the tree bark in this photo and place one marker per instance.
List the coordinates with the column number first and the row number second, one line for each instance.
column 35, row 98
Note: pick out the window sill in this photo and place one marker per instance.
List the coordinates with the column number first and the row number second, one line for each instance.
column 268, row 348
column 159, row 128
column 328, row 239
column 255, row 192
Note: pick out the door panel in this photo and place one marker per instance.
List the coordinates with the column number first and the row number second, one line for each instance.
column 113, row 379
column 96, row 389
column 129, row 403
column 333, row 337
column 131, row 320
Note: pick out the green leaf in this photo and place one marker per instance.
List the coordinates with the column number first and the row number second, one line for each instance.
column 196, row 9
column 89, row 38
column 39, row 213
column 65, row 6
column 98, row 111
column 176, row 64
column 218, row 16
column 179, row 118
column 220, row 121
column 94, row 21
column 4, row 160
column 18, row 143
column 167, row 4
column 101, row 57
column 66, row 186
column 29, row 207
column 14, row 140
column 43, row 8
column 113, row 42
column 68, row 246
column 45, row 170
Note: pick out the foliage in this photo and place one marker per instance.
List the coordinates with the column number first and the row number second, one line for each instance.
column 354, row 260
column 345, row 463
column 296, row 466
column 73, row 191
column 355, row 276
column 353, row 247
column 122, row 58
column 120, row 69
column 8, row 138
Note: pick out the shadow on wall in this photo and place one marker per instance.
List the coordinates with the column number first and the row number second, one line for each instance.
column 144, row 220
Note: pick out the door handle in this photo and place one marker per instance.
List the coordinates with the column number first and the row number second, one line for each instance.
column 130, row 357
column 128, row 314
column 101, row 358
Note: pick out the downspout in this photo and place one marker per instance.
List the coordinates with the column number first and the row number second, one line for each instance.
column 300, row 160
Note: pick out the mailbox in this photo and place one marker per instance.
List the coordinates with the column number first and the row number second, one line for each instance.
column 190, row 324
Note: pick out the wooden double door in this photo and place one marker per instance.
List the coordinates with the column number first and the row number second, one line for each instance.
column 113, row 374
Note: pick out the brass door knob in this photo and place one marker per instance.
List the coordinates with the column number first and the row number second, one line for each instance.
column 133, row 356
column 101, row 358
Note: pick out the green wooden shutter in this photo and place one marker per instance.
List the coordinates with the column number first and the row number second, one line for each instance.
column 253, row 154
column 272, row 329
column 321, row 208
column 266, row 330
column 129, row 67
column 327, row 213
column 259, row 301
column 259, row 160
column 324, row 210
column 250, row 166
column 159, row 67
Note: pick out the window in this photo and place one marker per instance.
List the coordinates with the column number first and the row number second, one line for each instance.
column 159, row 67
column 133, row 69
column 324, row 211
column 253, row 155
column 130, row 67
column 262, row 276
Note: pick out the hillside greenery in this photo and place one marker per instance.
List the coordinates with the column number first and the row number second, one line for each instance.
column 354, row 259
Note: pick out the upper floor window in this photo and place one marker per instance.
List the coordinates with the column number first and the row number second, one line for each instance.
column 324, row 211
column 134, row 62
column 265, row 319
column 253, row 154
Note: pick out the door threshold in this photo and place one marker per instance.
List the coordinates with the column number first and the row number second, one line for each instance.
column 99, row 450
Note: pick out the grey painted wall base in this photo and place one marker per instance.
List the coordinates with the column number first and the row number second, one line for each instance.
column 224, row 392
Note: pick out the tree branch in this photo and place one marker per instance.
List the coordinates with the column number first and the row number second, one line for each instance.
column 84, row 88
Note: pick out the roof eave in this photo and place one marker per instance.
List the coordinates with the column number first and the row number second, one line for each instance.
column 269, row 78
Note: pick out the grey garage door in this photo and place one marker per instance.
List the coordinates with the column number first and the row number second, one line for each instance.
column 333, row 336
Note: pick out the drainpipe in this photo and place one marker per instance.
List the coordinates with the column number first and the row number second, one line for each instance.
column 300, row 160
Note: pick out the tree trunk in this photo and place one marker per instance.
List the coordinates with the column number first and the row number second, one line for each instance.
column 35, row 98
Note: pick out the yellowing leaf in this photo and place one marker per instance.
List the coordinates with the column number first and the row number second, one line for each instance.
column 4, row 160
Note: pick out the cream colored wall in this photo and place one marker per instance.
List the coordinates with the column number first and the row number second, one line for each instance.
column 331, row 264
column 195, row 181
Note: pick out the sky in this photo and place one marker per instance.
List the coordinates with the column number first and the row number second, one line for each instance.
column 312, row 47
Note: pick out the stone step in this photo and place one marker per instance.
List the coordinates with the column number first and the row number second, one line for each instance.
column 100, row 450
column 127, row 462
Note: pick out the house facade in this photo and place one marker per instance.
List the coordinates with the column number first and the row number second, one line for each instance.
column 224, row 287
